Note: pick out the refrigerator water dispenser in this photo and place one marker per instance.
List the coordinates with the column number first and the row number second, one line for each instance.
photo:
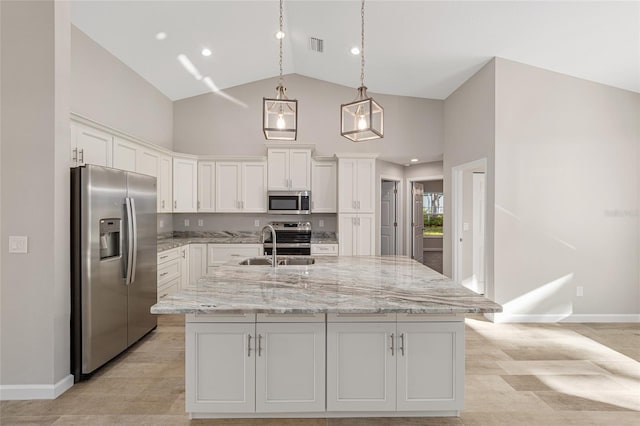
column 110, row 238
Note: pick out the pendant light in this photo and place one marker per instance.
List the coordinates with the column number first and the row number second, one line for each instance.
column 362, row 119
column 280, row 114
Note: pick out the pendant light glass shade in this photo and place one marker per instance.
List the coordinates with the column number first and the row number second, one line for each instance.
column 362, row 119
column 280, row 116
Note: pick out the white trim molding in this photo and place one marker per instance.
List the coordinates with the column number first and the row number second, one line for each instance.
column 26, row 392
column 552, row 318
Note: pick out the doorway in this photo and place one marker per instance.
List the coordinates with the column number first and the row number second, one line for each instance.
column 389, row 217
column 469, row 223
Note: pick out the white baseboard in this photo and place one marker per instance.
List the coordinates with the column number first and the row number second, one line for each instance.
column 551, row 318
column 24, row 392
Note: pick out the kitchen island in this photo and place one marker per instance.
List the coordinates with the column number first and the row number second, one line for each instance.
column 343, row 337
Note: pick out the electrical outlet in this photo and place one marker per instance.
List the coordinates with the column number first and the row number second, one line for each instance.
column 465, row 226
column 186, row 222
column 200, row 222
column 321, row 223
column 18, row 244
column 161, row 223
column 579, row 291
column 256, row 223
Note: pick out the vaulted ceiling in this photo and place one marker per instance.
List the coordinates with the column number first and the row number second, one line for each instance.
column 413, row 48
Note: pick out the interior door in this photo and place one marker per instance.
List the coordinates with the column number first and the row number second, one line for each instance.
column 388, row 219
column 417, row 221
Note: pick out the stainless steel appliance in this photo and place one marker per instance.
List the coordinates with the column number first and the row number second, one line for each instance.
column 292, row 238
column 289, row 202
column 113, row 264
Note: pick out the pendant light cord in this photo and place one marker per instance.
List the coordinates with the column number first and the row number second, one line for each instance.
column 281, row 32
column 362, row 45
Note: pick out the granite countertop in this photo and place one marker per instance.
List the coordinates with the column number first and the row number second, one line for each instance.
column 368, row 284
column 179, row 239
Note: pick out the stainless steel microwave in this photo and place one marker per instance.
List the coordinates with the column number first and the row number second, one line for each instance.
column 289, row 202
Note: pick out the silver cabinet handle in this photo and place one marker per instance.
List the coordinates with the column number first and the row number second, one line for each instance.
column 164, row 274
column 175, row 204
column 74, row 156
column 198, row 203
column 248, row 345
column 259, row 344
column 81, row 155
column 358, row 204
column 164, row 295
column 353, row 205
column 402, row 343
column 164, row 257
column 393, row 349
column 163, row 204
column 184, row 254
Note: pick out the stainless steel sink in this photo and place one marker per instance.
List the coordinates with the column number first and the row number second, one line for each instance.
column 256, row 261
column 288, row 261
column 296, row 261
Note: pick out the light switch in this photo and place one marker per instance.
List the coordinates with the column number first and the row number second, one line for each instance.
column 18, row 244
column 186, row 222
column 256, row 223
column 200, row 222
column 161, row 223
column 321, row 223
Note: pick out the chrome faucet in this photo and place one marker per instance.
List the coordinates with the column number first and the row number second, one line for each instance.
column 274, row 263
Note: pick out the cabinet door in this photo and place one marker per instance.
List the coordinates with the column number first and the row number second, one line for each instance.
column 125, row 155
column 365, row 194
column 347, row 176
column 165, row 184
column 223, row 253
column 278, row 173
column 290, row 373
column 430, row 366
column 254, row 193
column 197, row 262
column 300, row 169
column 206, row 186
column 90, row 146
column 347, row 232
column 228, row 195
column 148, row 162
column 365, row 235
column 185, row 266
column 361, row 367
column 323, row 187
column 185, row 184
column 220, row 368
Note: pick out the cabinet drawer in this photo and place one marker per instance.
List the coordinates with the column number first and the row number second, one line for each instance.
column 222, row 317
column 169, row 271
column 290, row 318
column 324, row 249
column 168, row 255
column 361, row 317
column 168, row 288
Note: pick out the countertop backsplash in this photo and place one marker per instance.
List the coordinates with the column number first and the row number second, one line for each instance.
column 247, row 221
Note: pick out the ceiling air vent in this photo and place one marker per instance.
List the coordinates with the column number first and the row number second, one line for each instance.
column 316, row 44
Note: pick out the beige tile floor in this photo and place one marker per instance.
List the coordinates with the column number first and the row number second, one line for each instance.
column 516, row 374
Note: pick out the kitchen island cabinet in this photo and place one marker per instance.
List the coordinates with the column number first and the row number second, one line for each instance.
column 394, row 342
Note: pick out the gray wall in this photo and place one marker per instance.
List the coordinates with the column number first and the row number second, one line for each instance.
column 34, row 180
column 571, row 146
column 106, row 90
column 208, row 124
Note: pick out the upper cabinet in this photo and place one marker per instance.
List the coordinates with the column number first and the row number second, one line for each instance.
column 206, row 186
column 241, row 186
column 323, row 187
column 289, row 169
column 185, row 184
column 90, row 146
column 126, row 155
column 356, row 180
column 154, row 163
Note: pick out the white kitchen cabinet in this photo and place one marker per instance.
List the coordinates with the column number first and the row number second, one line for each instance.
column 90, row 146
column 185, row 185
column 169, row 272
column 356, row 185
column 361, row 367
column 430, row 366
column 220, row 367
column 218, row 254
column 165, row 184
column 324, row 249
column 184, row 265
column 206, row 186
column 125, row 154
column 290, row 366
column 197, row 262
column 289, row 169
column 323, row 187
column 240, row 186
column 356, row 234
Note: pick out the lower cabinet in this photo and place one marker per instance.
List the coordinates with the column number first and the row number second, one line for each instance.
column 249, row 367
column 356, row 234
column 218, row 254
column 387, row 366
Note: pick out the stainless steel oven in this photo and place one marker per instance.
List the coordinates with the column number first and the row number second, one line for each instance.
column 289, row 202
column 292, row 238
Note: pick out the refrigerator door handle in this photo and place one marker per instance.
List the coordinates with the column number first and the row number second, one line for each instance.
column 134, row 256
column 130, row 249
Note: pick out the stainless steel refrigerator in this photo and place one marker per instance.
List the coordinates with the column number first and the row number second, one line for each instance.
column 113, row 264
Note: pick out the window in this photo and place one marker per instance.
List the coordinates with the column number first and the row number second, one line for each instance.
column 433, row 210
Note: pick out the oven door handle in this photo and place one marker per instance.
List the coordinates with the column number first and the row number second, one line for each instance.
column 288, row 245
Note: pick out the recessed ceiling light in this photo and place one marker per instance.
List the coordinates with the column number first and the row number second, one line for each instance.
column 414, row 160
column 206, row 52
column 161, row 35
column 355, row 50
column 280, row 35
